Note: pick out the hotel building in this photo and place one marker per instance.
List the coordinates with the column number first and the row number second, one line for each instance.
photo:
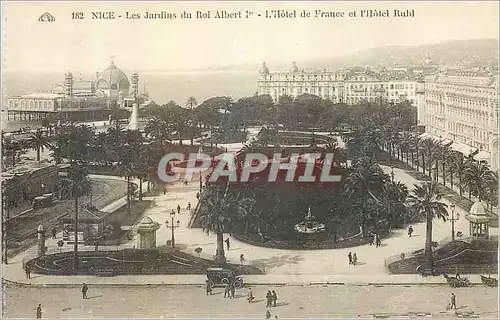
column 460, row 107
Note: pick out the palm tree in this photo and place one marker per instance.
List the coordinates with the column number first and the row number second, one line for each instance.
column 158, row 130
column 442, row 154
column 425, row 200
column 477, row 175
column 79, row 186
column 38, row 140
column 492, row 190
column 339, row 155
column 405, row 144
column 457, row 165
column 428, row 150
column 215, row 216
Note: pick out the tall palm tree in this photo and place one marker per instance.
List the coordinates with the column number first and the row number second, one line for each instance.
column 216, row 216
column 79, row 186
column 477, row 175
column 406, row 140
column 457, row 165
column 425, row 200
column 442, row 154
column 429, row 147
column 38, row 141
column 492, row 190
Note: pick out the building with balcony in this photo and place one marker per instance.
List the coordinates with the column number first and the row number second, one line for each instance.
column 351, row 86
column 462, row 106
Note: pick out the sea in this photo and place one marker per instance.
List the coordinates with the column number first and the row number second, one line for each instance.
column 162, row 87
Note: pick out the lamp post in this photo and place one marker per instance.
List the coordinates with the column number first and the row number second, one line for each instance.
column 172, row 226
column 453, row 219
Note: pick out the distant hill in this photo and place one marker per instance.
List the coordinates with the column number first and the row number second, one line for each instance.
column 481, row 52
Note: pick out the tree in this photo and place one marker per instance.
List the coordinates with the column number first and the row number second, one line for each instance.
column 457, row 165
column 79, row 185
column 191, row 102
column 477, row 175
column 443, row 153
column 425, row 200
column 38, row 141
column 215, row 216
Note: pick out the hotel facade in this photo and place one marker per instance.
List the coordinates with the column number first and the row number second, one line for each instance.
column 460, row 107
column 350, row 86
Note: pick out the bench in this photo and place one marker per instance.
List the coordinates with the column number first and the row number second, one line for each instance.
column 104, row 272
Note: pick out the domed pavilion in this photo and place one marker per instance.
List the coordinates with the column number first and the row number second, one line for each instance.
column 112, row 82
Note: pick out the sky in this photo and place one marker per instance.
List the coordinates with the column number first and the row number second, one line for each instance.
column 193, row 44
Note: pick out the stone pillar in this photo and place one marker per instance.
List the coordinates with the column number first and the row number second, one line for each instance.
column 41, row 241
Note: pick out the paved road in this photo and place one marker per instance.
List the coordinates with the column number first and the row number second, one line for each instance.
column 297, row 302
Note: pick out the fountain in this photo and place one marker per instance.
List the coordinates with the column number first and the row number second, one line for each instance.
column 310, row 225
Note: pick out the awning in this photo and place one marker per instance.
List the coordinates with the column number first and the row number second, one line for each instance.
column 463, row 148
column 482, row 156
column 445, row 142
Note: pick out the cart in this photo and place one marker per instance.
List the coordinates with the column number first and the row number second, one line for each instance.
column 457, row 282
column 489, row 281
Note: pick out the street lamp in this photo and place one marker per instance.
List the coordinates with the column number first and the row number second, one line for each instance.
column 453, row 219
column 172, row 226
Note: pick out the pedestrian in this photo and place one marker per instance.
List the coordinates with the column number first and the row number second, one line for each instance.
column 189, row 206
column 371, row 239
column 233, row 289
column 227, row 291
column 85, row 288
column 275, row 298
column 354, row 259
column 27, row 269
column 242, row 258
column 453, row 302
column 250, row 296
column 457, row 274
column 227, row 243
column 178, row 209
column 269, row 298
column 165, row 190
column 54, row 231
column 378, row 242
column 208, row 287
column 410, row 231
column 198, row 195
column 39, row 311
column 350, row 258
column 268, row 314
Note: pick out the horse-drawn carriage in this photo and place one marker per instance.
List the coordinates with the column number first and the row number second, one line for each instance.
column 457, row 282
column 489, row 281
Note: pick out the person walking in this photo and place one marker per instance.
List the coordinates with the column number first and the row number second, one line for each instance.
column 275, row 298
column 453, row 302
column 27, row 269
column 189, row 206
column 242, row 258
column 350, row 258
column 54, row 232
column 165, row 190
column 233, row 289
column 227, row 243
column 378, row 241
column 269, row 298
column 178, row 209
column 208, row 287
column 354, row 259
column 371, row 238
column 410, row 231
column 250, row 296
column 39, row 311
column 85, row 288
column 227, row 293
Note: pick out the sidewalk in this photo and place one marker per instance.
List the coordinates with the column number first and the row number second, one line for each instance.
column 285, row 280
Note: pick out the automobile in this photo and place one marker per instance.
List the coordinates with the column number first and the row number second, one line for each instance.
column 222, row 276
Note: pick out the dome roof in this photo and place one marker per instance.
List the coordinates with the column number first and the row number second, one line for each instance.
column 112, row 78
column 478, row 208
column 264, row 69
column 294, row 68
